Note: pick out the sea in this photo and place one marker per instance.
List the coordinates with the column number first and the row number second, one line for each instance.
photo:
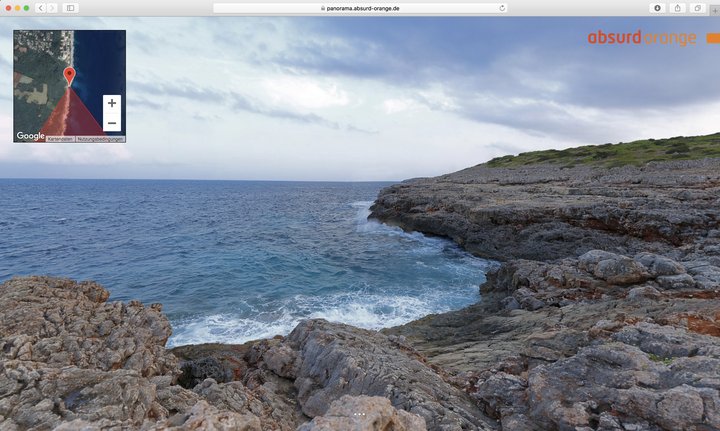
column 99, row 61
column 233, row 261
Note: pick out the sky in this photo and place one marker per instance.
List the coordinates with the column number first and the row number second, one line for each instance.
column 364, row 99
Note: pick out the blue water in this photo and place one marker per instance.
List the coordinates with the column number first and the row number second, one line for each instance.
column 233, row 261
column 99, row 61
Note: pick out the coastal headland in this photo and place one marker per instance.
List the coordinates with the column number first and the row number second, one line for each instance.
column 604, row 314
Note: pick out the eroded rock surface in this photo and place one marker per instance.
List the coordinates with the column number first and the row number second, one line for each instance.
column 71, row 360
column 335, row 360
column 644, row 376
column 547, row 212
column 364, row 413
column 325, row 362
column 67, row 354
column 605, row 311
column 604, row 315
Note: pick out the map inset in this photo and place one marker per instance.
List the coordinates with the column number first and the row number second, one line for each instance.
column 69, row 86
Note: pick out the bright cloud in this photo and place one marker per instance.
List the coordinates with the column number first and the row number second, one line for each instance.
column 305, row 93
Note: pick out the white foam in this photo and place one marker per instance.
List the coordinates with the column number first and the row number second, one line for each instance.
column 365, row 225
column 365, row 307
column 374, row 311
column 224, row 328
column 364, row 311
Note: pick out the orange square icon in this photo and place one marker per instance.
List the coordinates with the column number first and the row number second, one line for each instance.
column 713, row 38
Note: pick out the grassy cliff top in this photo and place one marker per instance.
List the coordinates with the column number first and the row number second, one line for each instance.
column 625, row 153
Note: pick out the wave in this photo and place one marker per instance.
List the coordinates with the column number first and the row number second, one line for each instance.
column 426, row 245
column 234, row 261
column 366, row 306
column 364, row 311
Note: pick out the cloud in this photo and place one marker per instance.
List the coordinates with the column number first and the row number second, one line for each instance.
column 317, row 97
column 185, row 90
column 246, row 104
column 403, row 96
column 554, row 84
column 394, row 106
column 5, row 63
column 138, row 101
column 305, row 93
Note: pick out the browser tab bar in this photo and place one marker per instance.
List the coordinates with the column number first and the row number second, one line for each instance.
column 512, row 8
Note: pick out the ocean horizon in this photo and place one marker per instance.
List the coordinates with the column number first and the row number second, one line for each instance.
column 233, row 260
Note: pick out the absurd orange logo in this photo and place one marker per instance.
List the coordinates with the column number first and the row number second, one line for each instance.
column 639, row 38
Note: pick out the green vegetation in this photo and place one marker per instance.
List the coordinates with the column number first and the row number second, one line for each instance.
column 612, row 155
column 38, row 58
column 656, row 358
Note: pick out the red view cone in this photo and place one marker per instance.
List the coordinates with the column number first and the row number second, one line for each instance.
column 71, row 118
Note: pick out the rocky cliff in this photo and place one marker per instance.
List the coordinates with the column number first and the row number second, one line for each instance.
column 71, row 360
column 604, row 315
column 605, row 311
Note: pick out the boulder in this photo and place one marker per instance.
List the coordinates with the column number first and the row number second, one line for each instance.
column 363, row 413
column 660, row 265
column 613, row 268
column 679, row 281
column 203, row 416
column 645, row 375
column 705, row 274
column 334, row 360
column 527, row 300
column 644, row 292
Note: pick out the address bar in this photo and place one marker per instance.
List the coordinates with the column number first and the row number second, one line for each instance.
column 360, row 8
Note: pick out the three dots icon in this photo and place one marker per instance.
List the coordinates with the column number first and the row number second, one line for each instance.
column 17, row 8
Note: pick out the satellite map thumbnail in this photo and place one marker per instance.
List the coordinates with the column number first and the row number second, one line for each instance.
column 62, row 79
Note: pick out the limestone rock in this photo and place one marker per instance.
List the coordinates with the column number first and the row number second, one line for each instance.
column 588, row 261
column 679, row 281
column 336, row 360
column 203, row 416
column 363, row 413
column 547, row 212
column 173, row 398
column 254, row 387
column 281, row 360
column 613, row 268
column 646, row 373
column 72, row 361
column 667, row 341
column 608, row 290
column 660, row 265
column 71, row 324
column 68, row 355
column 705, row 274
column 644, row 292
column 527, row 300
column 501, row 394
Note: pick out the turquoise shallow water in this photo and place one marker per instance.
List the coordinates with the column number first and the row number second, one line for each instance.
column 230, row 260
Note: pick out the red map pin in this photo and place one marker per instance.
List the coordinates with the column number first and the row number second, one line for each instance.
column 69, row 73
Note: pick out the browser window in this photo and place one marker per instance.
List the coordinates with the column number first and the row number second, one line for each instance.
column 359, row 215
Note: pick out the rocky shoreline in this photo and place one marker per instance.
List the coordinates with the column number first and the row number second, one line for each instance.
column 605, row 312
column 604, row 315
